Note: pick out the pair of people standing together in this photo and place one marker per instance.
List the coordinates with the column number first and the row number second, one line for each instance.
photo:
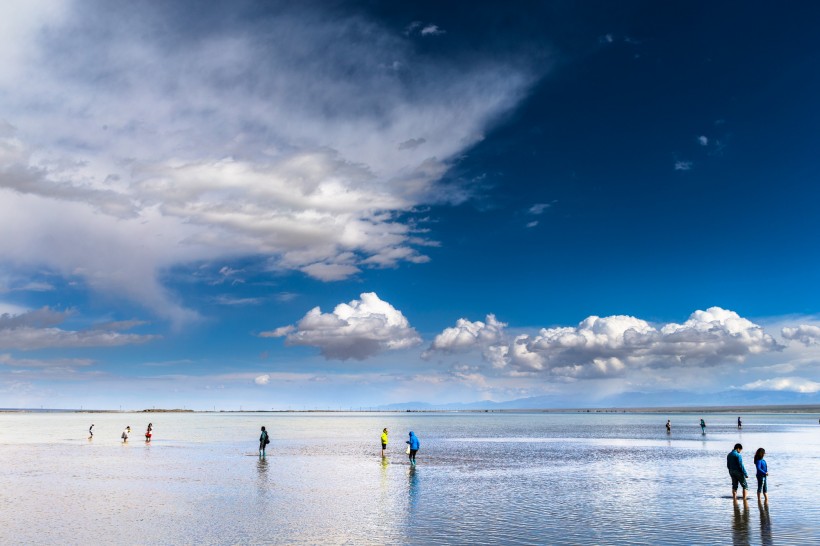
column 734, row 462
column 412, row 445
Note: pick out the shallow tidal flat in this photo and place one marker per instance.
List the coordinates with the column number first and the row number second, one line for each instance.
column 494, row 478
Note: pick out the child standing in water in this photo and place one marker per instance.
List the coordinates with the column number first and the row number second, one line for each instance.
column 148, row 432
column 384, row 441
column 762, row 474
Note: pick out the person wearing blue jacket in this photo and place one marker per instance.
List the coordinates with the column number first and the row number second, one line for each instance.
column 761, row 474
column 414, row 444
column 734, row 462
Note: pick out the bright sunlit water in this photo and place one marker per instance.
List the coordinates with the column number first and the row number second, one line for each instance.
column 482, row 478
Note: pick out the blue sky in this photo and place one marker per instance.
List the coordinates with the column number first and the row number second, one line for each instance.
column 350, row 204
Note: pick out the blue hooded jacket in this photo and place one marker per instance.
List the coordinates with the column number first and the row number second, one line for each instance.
column 413, row 441
column 734, row 462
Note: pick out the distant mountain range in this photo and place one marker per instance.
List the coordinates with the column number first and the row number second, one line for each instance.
column 661, row 399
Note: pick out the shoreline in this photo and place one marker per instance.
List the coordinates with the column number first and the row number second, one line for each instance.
column 780, row 408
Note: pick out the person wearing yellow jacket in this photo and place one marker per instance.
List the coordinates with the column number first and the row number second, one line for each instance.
column 384, row 441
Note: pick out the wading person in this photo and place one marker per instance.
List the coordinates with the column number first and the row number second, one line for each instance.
column 148, row 432
column 384, row 441
column 413, row 445
column 91, row 431
column 762, row 473
column 668, row 426
column 124, row 435
column 263, row 442
column 734, row 462
column 702, row 426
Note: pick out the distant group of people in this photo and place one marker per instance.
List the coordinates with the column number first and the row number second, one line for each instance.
column 126, row 433
column 413, row 444
column 669, row 426
column 702, row 425
column 734, row 462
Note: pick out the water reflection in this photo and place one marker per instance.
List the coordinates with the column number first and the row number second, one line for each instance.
column 413, row 488
column 765, row 523
column 262, row 474
column 740, row 524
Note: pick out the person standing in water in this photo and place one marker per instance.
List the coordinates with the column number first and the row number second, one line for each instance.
column 125, row 434
column 263, row 442
column 734, row 462
column 668, row 426
column 702, row 426
column 762, row 474
column 739, row 422
column 148, row 432
column 384, row 441
column 414, row 445
column 90, row 431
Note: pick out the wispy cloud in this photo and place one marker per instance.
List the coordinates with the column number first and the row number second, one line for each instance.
column 152, row 146
column 37, row 330
column 683, row 165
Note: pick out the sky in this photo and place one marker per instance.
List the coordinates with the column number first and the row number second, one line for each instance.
column 334, row 205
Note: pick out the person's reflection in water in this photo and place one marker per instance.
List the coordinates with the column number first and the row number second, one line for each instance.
column 413, row 487
column 740, row 524
column 262, row 475
column 765, row 523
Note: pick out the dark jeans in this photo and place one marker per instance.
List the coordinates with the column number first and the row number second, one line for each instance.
column 761, row 485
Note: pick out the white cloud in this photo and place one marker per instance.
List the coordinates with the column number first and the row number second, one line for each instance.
column 532, row 224
column 791, row 384
column 262, row 379
column 431, row 30
column 147, row 146
column 806, row 334
column 36, row 330
column 683, row 165
column 539, row 208
column 355, row 330
column 467, row 335
column 703, row 140
column 60, row 363
column 607, row 346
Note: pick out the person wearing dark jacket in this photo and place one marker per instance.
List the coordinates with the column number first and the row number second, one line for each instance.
column 414, row 444
column 263, row 441
column 734, row 462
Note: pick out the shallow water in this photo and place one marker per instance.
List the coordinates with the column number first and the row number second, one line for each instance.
column 482, row 478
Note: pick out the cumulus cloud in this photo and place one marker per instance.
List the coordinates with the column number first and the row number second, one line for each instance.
column 806, row 334
column 466, row 335
column 703, row 140
column 37, row 330
column 141, row 143
column 609, row 346
column 791, row 384
column 355, row 330
column 262, row 379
